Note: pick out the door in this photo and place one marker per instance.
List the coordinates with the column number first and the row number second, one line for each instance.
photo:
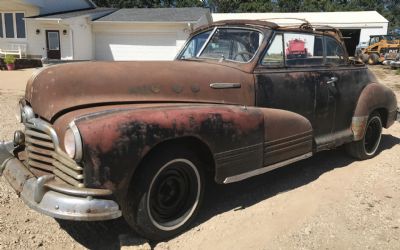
column 290, row 78
column 53, row 44
column 339, row 90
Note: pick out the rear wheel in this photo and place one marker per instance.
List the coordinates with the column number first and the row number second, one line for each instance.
column 368, row 146
column 373, row 59
column 165, row 194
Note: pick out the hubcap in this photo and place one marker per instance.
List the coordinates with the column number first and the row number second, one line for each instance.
column 174, row 194
column 373, row 135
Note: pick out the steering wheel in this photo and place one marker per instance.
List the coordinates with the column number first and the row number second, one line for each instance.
column 244, row 54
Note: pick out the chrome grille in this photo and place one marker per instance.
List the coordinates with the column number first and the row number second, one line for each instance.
column 43, row 153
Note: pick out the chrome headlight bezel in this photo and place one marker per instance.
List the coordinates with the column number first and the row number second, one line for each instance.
column 73, row 142
column 18, row 112
column 25, row 114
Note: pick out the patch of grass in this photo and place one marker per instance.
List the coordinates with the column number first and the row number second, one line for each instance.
column 398, row 72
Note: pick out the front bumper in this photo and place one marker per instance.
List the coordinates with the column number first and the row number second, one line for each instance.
column 46, row 196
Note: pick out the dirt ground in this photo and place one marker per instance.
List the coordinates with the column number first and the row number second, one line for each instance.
column 327, row 202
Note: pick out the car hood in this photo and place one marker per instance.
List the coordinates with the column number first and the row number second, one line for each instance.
column 57, row 89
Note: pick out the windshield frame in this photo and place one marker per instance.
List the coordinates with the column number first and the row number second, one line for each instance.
column 213, row 31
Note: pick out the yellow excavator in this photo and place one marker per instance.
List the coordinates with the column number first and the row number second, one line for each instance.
column 380, row 48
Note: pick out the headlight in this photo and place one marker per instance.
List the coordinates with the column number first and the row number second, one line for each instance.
column 73, row 142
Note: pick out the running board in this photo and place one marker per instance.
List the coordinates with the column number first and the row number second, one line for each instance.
column 263, row 170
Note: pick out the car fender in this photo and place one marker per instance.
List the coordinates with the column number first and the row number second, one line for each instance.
column 115, row 141
column 373, row 97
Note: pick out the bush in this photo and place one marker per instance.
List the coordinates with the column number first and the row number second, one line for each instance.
column 9, row 59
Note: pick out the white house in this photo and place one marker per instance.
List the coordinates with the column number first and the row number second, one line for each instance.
column 49, row 28
column 78, row 30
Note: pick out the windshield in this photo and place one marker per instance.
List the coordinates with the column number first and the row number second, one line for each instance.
column 232, row 44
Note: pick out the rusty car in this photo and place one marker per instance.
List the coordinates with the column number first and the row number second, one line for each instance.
column 140, row 140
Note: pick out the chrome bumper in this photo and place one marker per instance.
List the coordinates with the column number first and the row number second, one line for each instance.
column 59, row 201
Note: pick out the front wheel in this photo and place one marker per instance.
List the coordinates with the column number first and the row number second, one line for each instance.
column 368, row 146
column 165, row 194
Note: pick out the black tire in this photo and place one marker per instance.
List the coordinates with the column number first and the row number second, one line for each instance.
column 165, row 194
column 373, row 59
column 368, row 146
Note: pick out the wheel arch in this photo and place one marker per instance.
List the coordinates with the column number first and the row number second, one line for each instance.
column 374, row 97
column 196, row 145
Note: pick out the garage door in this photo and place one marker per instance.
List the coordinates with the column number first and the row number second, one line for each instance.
column 137, row 46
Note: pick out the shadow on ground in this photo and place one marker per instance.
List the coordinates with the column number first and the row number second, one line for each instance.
column 222, row 198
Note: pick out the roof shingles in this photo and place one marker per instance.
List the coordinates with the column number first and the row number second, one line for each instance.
column 76, row 13
column 156, row 15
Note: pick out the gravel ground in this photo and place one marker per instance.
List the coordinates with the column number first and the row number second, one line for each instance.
column 327, row 202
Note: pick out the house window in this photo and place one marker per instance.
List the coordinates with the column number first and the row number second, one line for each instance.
column 12, row 25
column 20, row 24
column 9, row 23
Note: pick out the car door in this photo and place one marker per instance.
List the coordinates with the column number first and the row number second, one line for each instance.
column 341, row 85
column 289, row 78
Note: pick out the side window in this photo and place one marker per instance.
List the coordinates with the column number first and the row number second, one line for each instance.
column 233, row 44
column 274, row 55
column 303, row 50
column 194, row 46
column 334, row 52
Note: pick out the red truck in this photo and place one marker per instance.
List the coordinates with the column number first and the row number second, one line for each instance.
column 296, row 49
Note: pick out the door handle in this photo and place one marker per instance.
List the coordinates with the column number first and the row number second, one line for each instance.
column 332, row 81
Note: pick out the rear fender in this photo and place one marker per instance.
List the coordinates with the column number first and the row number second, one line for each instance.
column 373, row 97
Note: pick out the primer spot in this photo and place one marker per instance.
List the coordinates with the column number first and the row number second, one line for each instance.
column 195, row 88
column 155, row 88
column 177, row 88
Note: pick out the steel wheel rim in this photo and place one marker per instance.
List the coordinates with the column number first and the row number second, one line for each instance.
column 373, row 135
column 174, row 194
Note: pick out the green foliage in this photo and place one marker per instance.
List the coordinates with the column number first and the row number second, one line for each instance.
column 388, row 8
column 9, row 59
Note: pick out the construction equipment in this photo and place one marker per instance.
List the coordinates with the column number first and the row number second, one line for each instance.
column 380, row 48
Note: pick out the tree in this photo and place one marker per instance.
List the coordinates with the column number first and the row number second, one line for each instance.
column 289, row 5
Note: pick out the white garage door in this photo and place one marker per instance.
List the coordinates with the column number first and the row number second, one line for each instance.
column 137, row 46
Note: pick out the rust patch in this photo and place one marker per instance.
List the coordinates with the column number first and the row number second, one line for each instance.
column 358, row 126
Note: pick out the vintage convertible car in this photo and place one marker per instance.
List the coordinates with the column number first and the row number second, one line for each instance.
column 139, row 139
